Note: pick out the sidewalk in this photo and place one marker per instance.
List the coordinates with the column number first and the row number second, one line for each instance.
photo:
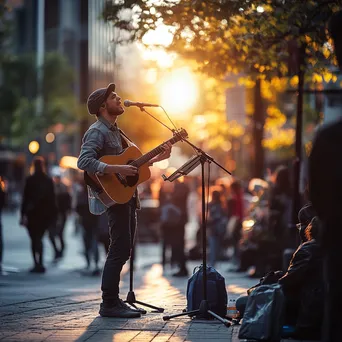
column 74, row 315
column 62, row 305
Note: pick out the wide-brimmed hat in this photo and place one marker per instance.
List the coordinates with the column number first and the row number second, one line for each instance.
column 97, row 97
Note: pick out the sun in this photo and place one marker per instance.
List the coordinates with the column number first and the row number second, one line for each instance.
column 179, row 91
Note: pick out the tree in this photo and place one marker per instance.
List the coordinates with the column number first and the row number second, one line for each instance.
column 19, row 94
column 263, row 38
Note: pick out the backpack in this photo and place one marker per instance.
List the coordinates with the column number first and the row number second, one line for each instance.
column 264, row 314
column 216, row 291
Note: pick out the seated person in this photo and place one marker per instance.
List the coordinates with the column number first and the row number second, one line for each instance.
column 302, row 283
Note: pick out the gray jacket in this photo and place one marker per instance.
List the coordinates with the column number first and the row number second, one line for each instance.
column 102, row 138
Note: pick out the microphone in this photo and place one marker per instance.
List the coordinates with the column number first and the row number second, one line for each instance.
column 129, row 103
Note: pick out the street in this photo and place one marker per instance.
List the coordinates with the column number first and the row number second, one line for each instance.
column 63, row 303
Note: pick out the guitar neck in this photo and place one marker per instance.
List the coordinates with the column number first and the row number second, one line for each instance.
column 148, row 156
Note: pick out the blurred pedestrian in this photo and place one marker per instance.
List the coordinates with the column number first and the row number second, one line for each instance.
column 216, row 226
column 170, row 217
column 280, row 204
column 235, row 212
column 180, row 199
column 103, row 232
column 2, row 205
column 63, row 199
column 104, row 138
column 325, row 190
column 38, row 210
column 76, row 186
column 89, row 223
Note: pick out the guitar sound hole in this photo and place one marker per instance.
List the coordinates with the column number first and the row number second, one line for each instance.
column 132, row 180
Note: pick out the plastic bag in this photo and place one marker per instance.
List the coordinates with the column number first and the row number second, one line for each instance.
column 264, row 314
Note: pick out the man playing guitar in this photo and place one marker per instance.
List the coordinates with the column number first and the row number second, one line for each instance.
column 104, row 138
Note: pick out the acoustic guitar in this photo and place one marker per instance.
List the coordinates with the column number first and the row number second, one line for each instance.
column 115, row 188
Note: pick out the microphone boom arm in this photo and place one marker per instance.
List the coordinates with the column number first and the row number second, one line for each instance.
column 197, row 149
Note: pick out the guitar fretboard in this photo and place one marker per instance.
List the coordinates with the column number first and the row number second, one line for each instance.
column 148, row 156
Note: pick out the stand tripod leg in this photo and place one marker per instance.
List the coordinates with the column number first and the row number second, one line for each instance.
column 131, row 300
column 226, row 322
column 189, row 313
column 157, row 309
column 203, row 310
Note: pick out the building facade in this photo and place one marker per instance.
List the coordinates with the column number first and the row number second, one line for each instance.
column 75, row 29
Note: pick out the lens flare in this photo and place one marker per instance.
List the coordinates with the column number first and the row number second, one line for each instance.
column 179, row 91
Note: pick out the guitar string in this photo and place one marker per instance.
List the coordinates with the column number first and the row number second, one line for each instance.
column 144, row 158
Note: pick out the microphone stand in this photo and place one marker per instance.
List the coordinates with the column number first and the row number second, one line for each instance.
column 131, row 298
column 203, row 311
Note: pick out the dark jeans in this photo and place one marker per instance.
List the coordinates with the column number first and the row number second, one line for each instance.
column 56, row 232
column 178, row 246
column 122, row 226
column 167, row 243
column 36, row 229
column 91, row 250
column 62, row 217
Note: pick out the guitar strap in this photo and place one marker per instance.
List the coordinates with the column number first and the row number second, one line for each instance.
column 125, row 140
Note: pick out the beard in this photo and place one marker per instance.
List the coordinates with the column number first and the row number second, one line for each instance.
column 115, row 111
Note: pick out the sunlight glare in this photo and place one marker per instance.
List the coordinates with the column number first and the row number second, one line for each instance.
column 151, row 76
column 160, row 36
column 164, row 59
column 162, row 165
column 179, row 91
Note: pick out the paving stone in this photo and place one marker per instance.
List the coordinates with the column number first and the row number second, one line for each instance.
column 73, row 316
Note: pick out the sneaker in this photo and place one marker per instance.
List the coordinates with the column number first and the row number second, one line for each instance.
column 181, row 273
column 120, row 310
column 41, row 269
column 34, row 269
column 37, row 269
column 96, row 272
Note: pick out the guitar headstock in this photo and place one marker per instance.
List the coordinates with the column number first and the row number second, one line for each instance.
column 181, row 133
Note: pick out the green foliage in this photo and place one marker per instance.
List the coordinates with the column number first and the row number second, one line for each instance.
column 233, row 36
column 261, row 38
column 19, row 96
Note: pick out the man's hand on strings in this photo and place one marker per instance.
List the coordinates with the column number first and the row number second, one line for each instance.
column 167, row 147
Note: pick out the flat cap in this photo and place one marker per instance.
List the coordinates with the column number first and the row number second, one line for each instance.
column 97, row 97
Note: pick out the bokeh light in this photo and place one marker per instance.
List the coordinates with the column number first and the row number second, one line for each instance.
column 163, row 164
column 68, row 162
column 33, row 147
column 50, row 138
